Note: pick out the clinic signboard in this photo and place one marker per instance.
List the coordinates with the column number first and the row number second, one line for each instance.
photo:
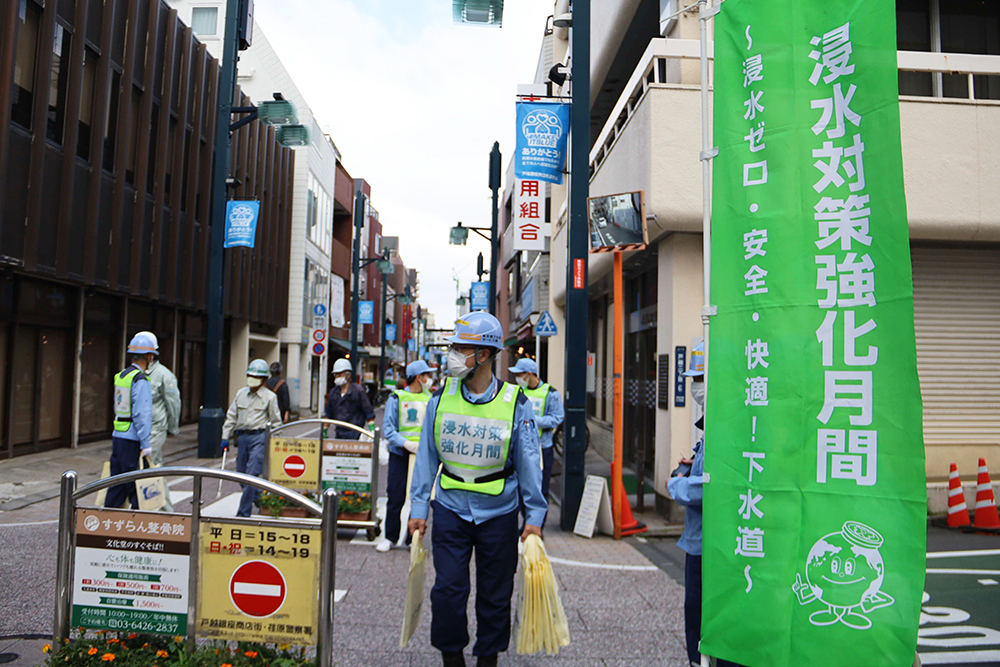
column 815, row 501
column 542, row 129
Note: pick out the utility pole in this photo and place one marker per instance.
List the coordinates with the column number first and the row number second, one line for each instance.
column 381, row 362
column 576, row 269
column 495, row 235
column 212, row 415
column 359, row 225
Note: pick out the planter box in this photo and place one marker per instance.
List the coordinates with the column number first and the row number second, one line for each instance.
column 354, row 516
column 295, row 512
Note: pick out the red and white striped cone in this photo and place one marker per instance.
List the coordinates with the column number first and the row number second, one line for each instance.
column 958, row 511
column 986, row 504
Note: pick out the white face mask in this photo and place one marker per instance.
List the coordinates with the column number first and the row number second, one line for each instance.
column 456, row 364
column 522, row 381
column 426, row 382
column 340, row 381
column 698, row 393
column 253, row 382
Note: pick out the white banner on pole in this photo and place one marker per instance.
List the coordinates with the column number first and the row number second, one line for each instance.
column 530, row 226
column 336, row 301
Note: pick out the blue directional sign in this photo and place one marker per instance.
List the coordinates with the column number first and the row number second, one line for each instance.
column 390, row 332
column 480, row 296
column 366, row 312
column 546, row 325
column 319, row 310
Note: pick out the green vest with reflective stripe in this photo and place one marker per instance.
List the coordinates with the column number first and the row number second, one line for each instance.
column 123, row 399
column 473, row 440
column 539, row 397
column 412, row 408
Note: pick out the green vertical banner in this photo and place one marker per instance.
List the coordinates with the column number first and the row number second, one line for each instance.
column 815, row 500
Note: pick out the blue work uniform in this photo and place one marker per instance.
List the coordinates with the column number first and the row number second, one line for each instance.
column 399, row 466
column 466, row 520
column 688, row 491
column 547, row 425
column 126, row 445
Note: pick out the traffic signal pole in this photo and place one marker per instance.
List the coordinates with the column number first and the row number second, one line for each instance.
column 495, row 235
column 359, row 225
column 574, row 476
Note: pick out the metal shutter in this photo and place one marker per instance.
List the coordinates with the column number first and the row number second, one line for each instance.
column 956, row 293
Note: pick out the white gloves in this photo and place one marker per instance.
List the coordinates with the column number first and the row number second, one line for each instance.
column 145, row 452
column 383, row 453
column 411, row 446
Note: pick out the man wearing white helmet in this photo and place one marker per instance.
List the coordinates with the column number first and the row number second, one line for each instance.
column 401, row 427
column 252, row 411
column 133, row 407
column 166, row 408
column 482, row 433
column 348, row 402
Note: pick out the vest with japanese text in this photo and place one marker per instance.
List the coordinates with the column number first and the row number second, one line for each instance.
column 539, row 397
column 412, row 408
column 123, row 397
column 473, row 439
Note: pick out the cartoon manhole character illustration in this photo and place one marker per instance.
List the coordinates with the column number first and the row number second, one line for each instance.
column 844, row 572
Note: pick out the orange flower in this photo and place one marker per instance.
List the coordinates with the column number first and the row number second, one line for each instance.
column 161, row 654
column 251, row 654
column 92, row 651
column 146, row 645
column 47, row 648
column 108, row 657
column 225, row 664
column 113, row 641
column 132, row 636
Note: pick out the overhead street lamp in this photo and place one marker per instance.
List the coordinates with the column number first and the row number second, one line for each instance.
column 403, row 298
column 458, row 235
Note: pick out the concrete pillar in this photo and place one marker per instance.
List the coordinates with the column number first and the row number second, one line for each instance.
column 293, row 374
column 305, row 378
column 239, row 356
column 679, row 304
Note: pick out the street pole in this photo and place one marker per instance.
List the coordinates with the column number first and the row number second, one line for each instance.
column 495, row 235
column 381, row 363
column 212, row 415
column 359, row 225
column 576, row 269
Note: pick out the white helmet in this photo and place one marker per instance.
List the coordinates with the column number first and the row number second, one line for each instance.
column 156, row 343
column 341, row 365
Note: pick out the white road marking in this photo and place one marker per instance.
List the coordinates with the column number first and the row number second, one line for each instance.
column 989, row 582
column 988, row 657
column 959, row 554
column 179, row 496
column 945, row 570
column 228, row 506
column 247, row 588
column 338, row 594
column 603, row 566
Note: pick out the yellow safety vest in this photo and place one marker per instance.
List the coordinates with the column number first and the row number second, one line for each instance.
column 123, row 398
column 412, row 408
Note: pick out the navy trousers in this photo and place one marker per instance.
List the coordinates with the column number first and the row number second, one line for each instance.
column 495, row 544
column 396, row 494
column 692, row 610
column 250, row 460
column 124, row 458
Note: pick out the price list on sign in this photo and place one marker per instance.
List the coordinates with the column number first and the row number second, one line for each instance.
column 131, row 571
column 258, row 583
column 347, row 465
column 815, row 498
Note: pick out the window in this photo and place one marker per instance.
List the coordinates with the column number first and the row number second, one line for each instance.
column 24, row 64
column 319, row 215
column 971, row 26
column 205, row 21
column 56, row 115
column 87, row 103
column 111, row 127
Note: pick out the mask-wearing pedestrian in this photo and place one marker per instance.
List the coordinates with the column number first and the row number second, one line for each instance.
column 426, row 382
column 254, row 382
column 340, row 380
column 456, row 364
column 523, row 380
column 698, row 393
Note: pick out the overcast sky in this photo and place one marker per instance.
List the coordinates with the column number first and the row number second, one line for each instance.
column 414, row 102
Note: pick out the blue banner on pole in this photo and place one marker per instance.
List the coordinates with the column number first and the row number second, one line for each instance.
column 366, row 312
column 542, row 129
column 390, row 332
column 241, row 223
column 480, row 296
column 411, row 345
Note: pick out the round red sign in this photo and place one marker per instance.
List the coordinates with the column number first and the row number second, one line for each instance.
column 294, row 466
column 257, row 588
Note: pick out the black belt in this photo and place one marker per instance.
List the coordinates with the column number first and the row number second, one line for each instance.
column 492, row 477
column 248, row 431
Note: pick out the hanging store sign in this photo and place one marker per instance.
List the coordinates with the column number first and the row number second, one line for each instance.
column 241, row 223
column 815, row 514
column 542, row 129
column 530, row 225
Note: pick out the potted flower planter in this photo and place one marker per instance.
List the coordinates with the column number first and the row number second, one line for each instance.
column 353, row 516
column 295, row 512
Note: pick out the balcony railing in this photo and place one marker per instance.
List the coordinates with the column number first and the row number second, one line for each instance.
column 659, row 66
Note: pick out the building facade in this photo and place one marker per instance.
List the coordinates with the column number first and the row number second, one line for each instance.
column 107, row 110
column 645, row 120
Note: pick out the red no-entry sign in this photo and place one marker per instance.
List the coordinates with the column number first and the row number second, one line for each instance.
column 294, row 466
column 257, row 588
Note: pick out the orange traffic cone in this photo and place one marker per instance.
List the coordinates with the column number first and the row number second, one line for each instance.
column 986, row 504
column 629, row 525
column 958, row 511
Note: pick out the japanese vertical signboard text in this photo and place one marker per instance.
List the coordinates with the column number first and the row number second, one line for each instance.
column 814, row 528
